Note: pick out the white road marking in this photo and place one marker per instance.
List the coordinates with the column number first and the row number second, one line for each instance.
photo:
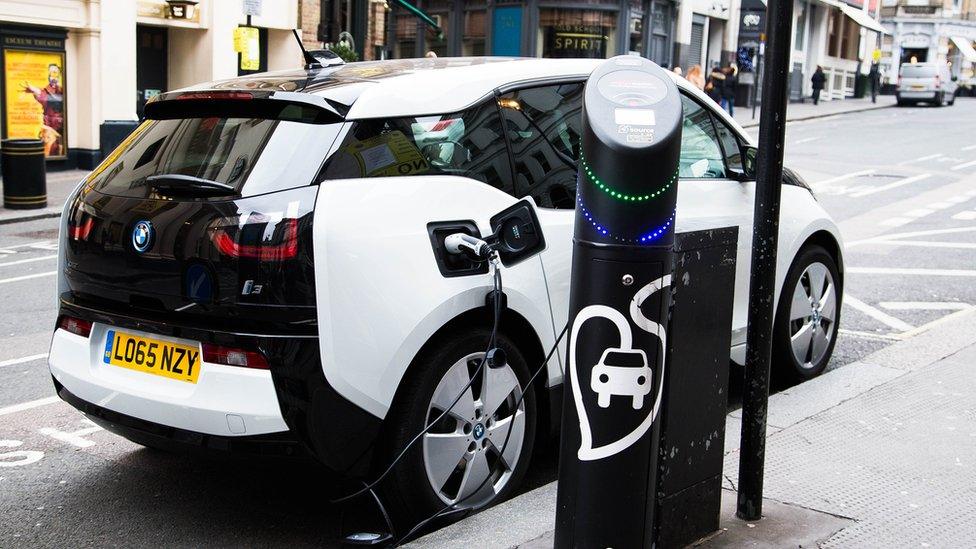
column 924, row 305
column 895, row 221
column 893, row 185
column 969, row 147
column 967, row 215
column 910, row 271
column 867, row 335
column 958, row 199
column 927, row 244
column 877, row 314
column 939, row 205
column 22, row 360
column 894, row 236
column 921, row 159
column 29, row 260
column 13, row 409
column 75, row 438
column 26, row 245
column 920, row 212
column 17, row 457
column 964, row 165
column 844, row 177
column 807, row 140
column 26, row 277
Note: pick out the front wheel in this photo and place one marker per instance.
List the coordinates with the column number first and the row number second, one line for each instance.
column 463, row 459
column 808, row 315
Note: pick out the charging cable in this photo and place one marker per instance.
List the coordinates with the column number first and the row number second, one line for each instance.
column 497, row 291
column 446, row 510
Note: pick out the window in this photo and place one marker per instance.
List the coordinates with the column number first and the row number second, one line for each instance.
column 701, row 155
column 468, row 144
column 543, row 127
column 730, row 145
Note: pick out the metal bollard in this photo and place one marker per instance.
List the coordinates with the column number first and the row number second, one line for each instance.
column 619, row 299
column 24, row 174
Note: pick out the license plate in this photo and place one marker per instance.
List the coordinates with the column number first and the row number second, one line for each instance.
column 145, row 354
column 918, row 87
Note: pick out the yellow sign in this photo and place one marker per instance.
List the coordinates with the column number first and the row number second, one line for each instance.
column 389, row 154
column 247, row 41
column 876, row 55
column 35, row 98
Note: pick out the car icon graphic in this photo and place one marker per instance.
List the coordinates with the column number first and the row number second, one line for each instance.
column 621, row 372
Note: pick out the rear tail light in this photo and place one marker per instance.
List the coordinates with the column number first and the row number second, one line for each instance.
column 938, row 81
column 75, row 325
column 217, row 95
column 232, row 356
column 251, row 241
column 81, row 230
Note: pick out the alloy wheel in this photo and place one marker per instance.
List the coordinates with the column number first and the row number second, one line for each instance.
column 813, row 311
column 463, row 451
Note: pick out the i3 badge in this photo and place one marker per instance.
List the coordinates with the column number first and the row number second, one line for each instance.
column 142, row 236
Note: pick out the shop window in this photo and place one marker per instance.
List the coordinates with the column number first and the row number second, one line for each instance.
column 701, row 154
column 577, row 33
column 543, row 126
column 435, row 41
column 636, row 22
column 467, row 144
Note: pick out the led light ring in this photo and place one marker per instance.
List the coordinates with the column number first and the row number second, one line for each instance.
column 645, row 238
column 626, row 197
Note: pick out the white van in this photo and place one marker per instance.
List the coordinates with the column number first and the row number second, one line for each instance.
column 930, row 82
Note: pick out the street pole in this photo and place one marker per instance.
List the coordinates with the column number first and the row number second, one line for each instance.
column 762, row 280
column 619, row 298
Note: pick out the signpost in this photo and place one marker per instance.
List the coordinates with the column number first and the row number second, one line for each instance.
column 762, row 281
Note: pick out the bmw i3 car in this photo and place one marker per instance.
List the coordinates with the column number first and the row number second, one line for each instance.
column 259, row 268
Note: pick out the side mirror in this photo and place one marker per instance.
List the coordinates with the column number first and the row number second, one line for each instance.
column 749, row 154
column 516, row 233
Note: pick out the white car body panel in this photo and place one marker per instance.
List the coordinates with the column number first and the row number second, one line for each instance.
column 380, row 294
column 203, row 407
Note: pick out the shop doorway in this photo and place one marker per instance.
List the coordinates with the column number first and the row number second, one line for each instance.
column 151, row 47
column 914, row 55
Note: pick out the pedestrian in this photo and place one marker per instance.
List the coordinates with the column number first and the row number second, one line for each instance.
column 818, row 79
column 695, row 76
column 874, row 79
column 431, row 54
column 728, row 88
column 715, row 84
column 677, row 70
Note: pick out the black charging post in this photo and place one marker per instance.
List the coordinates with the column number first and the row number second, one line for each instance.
column 622, row 264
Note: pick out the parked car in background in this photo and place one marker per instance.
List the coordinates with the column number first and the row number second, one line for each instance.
column 929, row 82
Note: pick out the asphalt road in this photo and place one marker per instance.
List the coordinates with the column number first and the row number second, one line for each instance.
column 901, row 182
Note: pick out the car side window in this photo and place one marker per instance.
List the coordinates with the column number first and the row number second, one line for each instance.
column 731, row 146
column 701, row 154
column 468, row 144
column 542, row 125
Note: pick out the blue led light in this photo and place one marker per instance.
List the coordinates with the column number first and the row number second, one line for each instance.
column 645, row 238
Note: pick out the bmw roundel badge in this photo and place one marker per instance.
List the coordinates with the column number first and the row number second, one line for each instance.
column 142, row 236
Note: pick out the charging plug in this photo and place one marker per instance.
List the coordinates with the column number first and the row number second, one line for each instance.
column 471, row 246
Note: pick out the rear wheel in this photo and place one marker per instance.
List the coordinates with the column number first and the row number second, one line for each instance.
column 808, row 315
column 952, row 100
column 460, row 459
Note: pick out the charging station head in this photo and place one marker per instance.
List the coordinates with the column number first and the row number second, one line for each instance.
column 631, row 142
column 517, row 233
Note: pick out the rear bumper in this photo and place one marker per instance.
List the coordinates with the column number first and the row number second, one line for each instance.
column 927, row 95
column 226, row 401
column 156, row 435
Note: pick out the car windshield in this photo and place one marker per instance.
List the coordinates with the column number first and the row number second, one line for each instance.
column 252, row 155
column 918, row 71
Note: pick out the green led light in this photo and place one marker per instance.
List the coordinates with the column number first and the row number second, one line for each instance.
column 619, row 195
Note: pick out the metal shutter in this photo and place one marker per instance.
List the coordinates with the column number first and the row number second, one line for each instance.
column 695, row 49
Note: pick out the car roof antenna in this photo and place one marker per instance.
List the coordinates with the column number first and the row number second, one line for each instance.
column 310, row 61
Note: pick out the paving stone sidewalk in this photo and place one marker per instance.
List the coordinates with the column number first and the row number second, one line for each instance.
column 807, row 110
column 878, row 453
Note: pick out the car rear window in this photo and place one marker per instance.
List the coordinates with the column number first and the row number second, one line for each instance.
column 918, row 71
column 253, row 155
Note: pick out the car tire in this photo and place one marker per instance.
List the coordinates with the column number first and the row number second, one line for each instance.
column 812, row 284
column 952, row 100
column 435, row 376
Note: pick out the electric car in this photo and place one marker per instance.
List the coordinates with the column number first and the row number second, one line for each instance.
column 260, row 268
